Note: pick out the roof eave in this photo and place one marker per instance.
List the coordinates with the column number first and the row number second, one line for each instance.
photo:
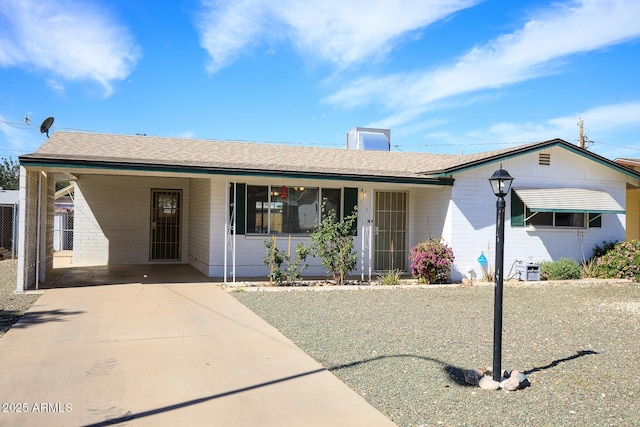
column 533, row 148
column 35, row 161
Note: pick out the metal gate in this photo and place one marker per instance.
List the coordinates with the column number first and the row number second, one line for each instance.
column 63, row 229
column 8, row 228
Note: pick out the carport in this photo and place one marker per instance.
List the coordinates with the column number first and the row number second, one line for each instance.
column 38, row 265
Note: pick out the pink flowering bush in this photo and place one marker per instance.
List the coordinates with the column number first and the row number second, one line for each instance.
column 431, row 261
column 621, row 262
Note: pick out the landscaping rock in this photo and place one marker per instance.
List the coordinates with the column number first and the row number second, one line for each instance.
column 512, row 383
column 487, row 383
column 472, row 376
column 515, row 380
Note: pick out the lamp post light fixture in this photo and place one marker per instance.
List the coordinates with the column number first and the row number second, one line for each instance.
column 500, row 184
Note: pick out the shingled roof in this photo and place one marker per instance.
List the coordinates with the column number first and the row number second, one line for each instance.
column 140, row 152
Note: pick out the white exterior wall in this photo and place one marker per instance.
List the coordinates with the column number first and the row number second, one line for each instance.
column 200, row 224
column 428, row 214
column 112, row 222
column 473, row 212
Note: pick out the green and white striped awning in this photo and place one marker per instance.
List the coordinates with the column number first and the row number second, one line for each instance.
column 578, row 200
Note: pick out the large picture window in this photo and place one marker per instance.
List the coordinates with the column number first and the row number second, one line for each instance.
column 281, row 209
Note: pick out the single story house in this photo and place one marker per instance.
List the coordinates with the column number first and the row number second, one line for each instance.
column 212, row 204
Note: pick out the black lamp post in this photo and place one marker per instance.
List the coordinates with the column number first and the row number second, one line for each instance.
column 500, row 183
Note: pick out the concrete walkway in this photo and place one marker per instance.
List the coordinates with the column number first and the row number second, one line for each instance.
column 163, row 354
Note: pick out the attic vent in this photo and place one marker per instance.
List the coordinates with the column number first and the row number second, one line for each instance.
column 544, row 159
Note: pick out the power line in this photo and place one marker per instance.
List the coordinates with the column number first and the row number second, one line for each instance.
column 18, row 125
column 615, row 145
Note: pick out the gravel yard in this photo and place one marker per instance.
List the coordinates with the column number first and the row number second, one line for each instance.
column 12, row 306
column 404, row 350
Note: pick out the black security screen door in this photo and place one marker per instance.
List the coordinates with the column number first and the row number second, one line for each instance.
column 165, row 225
column 390, row 231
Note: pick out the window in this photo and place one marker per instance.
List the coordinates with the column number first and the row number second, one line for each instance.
column 522, row 216
column 555, row 219
column 288, row 210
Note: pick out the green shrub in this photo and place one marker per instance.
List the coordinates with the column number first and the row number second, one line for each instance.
column 431, row 261
column 622, row 262
column 562, row 269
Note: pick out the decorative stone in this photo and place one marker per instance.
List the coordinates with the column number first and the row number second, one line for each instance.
column 472, row 376
column 516, row 381
column 487, row 383
column 512, row 383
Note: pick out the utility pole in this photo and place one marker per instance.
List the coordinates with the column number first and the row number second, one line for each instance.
column 581, row 137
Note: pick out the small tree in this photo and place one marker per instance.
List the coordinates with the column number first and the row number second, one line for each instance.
column 9, row 174
column 332, row 242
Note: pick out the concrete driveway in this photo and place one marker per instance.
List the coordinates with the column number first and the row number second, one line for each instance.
column 162, row 354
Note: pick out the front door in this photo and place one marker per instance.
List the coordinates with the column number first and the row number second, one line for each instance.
column 165, row 225
column 390, row 231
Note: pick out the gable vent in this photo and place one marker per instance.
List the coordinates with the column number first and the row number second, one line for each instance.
column 544, row 159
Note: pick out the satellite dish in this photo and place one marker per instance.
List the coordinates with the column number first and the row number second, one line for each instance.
column 44, row 127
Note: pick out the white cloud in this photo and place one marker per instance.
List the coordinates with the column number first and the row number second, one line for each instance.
column 533, row 51
column 341, row 32
column 602, row 124
column 346, row 32
column 67, row 40
column 598, row 122
column 227, row 27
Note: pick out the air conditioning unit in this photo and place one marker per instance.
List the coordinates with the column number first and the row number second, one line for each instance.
column 369, row 139
column 528, row 272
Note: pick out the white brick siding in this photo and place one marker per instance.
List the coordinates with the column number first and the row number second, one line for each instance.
column 112, row 218
column 200, row 224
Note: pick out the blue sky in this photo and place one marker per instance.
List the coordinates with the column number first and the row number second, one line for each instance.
column 446, row 76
